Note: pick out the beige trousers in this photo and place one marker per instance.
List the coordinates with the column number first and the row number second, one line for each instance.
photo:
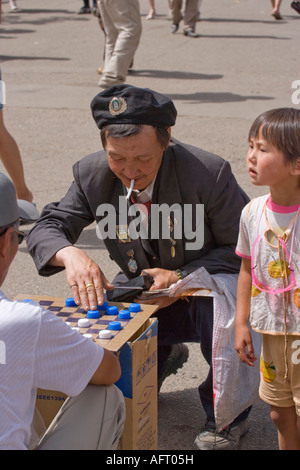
column 123, row 29
column 94, row 420
column 190, row 13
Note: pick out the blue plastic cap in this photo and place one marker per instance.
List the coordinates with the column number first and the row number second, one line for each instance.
column 103, row 306
column 70, row 302
column 112, row 310
column 134, row 307
column 93, row 314
column 114, row 325
column 124, row 314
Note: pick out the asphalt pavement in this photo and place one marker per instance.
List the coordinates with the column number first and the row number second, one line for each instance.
column 243, row 63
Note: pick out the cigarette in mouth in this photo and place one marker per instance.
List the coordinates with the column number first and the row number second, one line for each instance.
column 130, row 189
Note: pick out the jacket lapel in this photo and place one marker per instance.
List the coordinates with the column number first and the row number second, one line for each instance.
column 166, row 195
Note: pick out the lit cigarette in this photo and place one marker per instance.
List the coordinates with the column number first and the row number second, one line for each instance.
column 130, row 189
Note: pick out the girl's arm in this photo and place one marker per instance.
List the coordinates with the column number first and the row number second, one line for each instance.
column 243, row 339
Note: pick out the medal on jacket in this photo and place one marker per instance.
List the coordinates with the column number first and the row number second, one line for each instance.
column 132, row 264
column 173, row 242
column 123, row 233
column 173, row 250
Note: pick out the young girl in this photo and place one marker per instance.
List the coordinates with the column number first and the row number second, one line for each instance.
column 269, row 280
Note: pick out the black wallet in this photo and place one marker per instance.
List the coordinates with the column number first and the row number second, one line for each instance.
column 131, row 289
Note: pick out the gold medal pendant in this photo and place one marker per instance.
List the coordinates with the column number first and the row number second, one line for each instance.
column 173, row 242
column 173, row 250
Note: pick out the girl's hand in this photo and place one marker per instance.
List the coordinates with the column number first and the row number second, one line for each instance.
column 244, row 346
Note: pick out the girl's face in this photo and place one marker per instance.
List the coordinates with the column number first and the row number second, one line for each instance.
column 266, row 164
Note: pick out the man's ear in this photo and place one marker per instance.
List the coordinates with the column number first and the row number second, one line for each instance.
column 169, row 131
column 2, row 247
column 4, row 242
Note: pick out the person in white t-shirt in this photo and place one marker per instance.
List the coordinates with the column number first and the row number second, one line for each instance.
column 37, row 349
column 269, row 279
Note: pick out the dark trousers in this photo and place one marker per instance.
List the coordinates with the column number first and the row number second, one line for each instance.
column 184, row 322
column 87, row 3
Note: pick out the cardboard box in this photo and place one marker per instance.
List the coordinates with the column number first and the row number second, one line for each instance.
column 138, row 383
column 48, row 403
column 136, row 346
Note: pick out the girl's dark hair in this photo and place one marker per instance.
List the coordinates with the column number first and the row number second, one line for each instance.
column 280, row 127
column 127, row 130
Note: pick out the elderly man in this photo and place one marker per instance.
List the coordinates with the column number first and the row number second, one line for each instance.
column 36, row 349
column 140, row 156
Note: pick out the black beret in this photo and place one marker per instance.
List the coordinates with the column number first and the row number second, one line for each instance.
column 127, row 104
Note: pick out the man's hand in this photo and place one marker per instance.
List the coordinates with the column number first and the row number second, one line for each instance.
column 163, row 278
column 85, row 278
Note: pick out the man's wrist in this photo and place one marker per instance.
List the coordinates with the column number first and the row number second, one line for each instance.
column 60, row 256
column 181, row 274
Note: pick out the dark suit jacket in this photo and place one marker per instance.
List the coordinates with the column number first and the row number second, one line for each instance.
column 187, row 176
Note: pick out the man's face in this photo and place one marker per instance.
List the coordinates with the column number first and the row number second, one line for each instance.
column 137, row 157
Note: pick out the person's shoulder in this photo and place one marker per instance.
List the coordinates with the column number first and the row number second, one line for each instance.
column 254, row 207
column 92, row 161
column 92, row 170
column 197, row 159
column 258, row 201
column 20, row 311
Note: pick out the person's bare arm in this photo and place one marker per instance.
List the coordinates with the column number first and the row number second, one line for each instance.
column 109, row 370
column 243, row 339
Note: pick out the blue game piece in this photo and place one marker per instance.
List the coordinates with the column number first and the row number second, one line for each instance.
column 124, row 314
column 112, row 310
column 70, row 302
column 93, row 314
column 134, row 307
column 27, row 300
column 103, row 306
column 114, row 325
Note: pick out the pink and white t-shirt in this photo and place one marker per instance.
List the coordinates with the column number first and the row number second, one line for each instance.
column 262, row 221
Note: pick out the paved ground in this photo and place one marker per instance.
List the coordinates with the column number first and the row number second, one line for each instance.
column 243, row 63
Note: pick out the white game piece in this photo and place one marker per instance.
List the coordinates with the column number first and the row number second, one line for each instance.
column 104, row 334
column 83, row 322
column 76, row 329
column 88, row 335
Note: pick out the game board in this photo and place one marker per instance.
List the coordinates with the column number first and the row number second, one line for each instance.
column 71, row 315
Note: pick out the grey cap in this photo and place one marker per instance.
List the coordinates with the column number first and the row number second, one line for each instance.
column 12, row 209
